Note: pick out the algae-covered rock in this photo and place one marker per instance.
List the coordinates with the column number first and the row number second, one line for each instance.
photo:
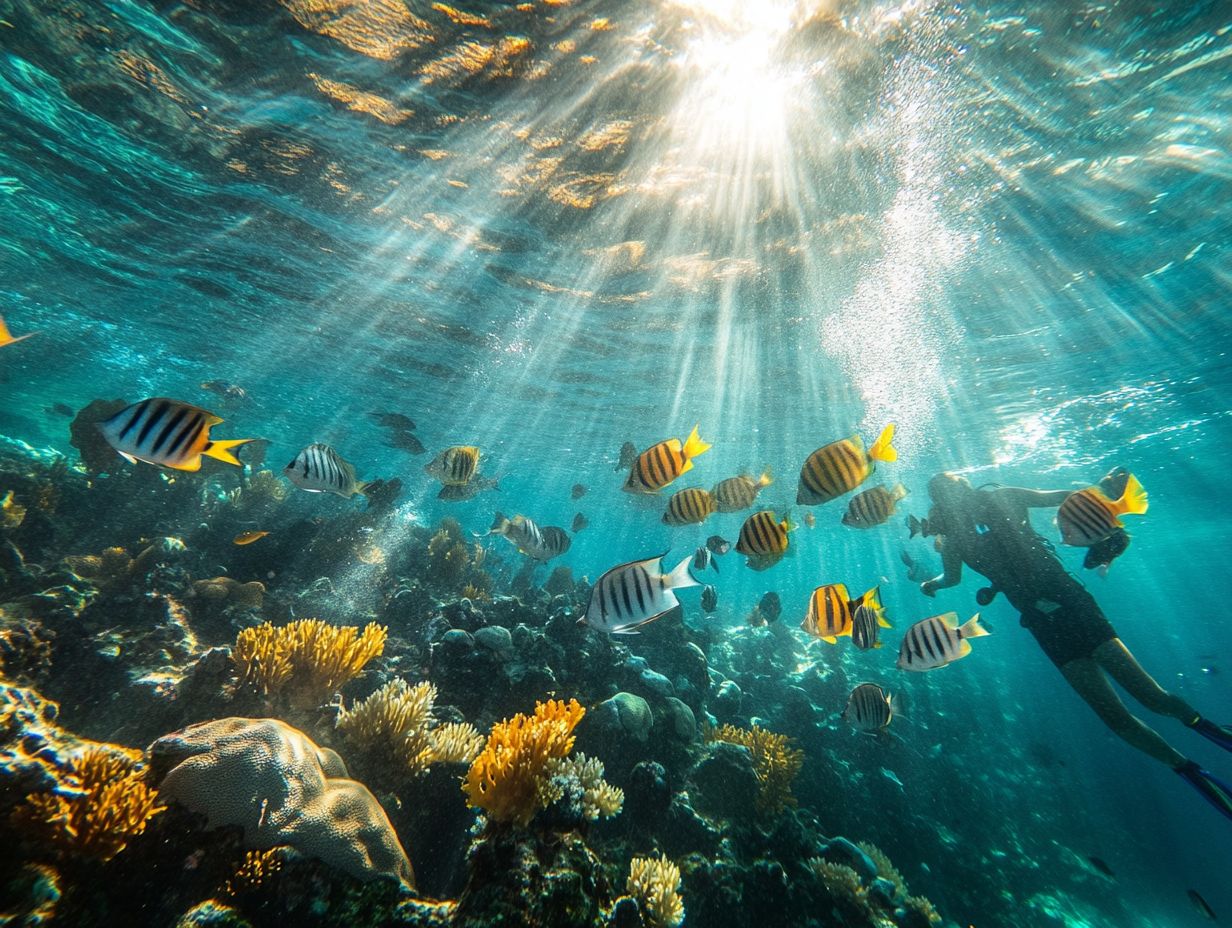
column 681, row 723
column 725, row 783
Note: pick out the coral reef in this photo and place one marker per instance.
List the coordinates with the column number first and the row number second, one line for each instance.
column 272, row 781
column 257, row 868
column 775, row 762
column 229, row 591
column 397, row 724
column 655, row 884
column 306, row 660
column 580, row 778
column 96, row 455
column 454, row 565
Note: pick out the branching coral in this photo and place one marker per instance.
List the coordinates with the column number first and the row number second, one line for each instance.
column 263, row 491
column 923, row 907
column 507, row 778
column 253, row 872
column 307, row 659
column 775, row 763
column 655, row 883
column 102, row 804
column 455, row 566
column 397, row 721
column 581, row 776
column 885, row 869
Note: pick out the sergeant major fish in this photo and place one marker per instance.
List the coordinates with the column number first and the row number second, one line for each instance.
column 169, row 434
column 540, row 544
column 689, row 507
column 867, row 620
column 873, row 506
column 764, row 539
column 736, row 493
column 1087, row 517
column 662, row 463
column 321, row 469
column 841, row 466
column 870, row 708
column 454, row 466
column 635, row 594
column 937, row 641
column 831, row 611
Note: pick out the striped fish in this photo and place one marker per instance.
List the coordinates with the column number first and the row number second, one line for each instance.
column 710, row 599
column 540, row 544
column 689, row 507
column 454, row 466
column 703, row 557
column 321, row 469
column 867, row 620
column 764, row 539
column 6, row 337
column 841, row 466
column 660, row 464
column 831, row 611
column 873, row 507
column 167, row 433
column 635, row 594
column 1087, row 517
column 869, row 707
column 937, row 641
column 736, row 493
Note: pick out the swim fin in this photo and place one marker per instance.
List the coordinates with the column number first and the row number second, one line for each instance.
column 1220, row 734
column 1213, row 790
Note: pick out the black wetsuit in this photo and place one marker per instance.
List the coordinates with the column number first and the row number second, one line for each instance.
column 993, row 536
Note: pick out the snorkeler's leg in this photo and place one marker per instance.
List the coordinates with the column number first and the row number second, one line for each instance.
column 1123, row 667
column 1092, row 684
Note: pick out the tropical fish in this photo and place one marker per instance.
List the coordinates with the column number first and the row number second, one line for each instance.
column 710, row 599
column 321, row 469
column 1088, row 516
column 6, row 337
column 628, row 454
column 867, row 620
column 918, row 527
column 59, row 409
column 1201, row 904
column 579, row 522
column 763, row 538
column 247, row 538
column 870, row 708
column 917, row 571
column 662, row 463
column 873, row 507
column 1102, row 866
column 718, row 544
column 451, row 493
column 167, row 433
column 393, row 420
column 454, row 466
column 937, row 641
column 841, row 466
column 736, row 493
column 831, row 611
column 688, row 507
column 810, row 520
column 579, row 490
column 225, row 389
column 405, row 441
column 703, row 557
column 770, row 606
column 634, row 594
column 540, row 544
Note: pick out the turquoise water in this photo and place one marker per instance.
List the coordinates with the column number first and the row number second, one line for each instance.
column 548, row 231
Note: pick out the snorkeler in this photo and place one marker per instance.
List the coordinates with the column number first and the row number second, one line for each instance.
column 989, row 531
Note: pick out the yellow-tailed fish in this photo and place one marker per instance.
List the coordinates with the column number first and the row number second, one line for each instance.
column 454, row 466
column 689, row 507
column 831, row 611
column 874, row 506
column 321, row 469
column 1087, row 517
column 635, row 594
column 937, row 641
column 841, row 466
column 736, row 493
column 660, row 464
column 247, row 538
column 6, row 337
column 867, row 620
column 870, row 708
column 169, row 434
column 763, row 538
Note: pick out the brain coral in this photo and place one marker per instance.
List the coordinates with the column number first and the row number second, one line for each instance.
column 281, row 788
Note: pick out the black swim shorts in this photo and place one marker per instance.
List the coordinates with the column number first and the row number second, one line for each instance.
column 1070, row 630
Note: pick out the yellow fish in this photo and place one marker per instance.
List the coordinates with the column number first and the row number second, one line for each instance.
column 247, row 538
column 660, row 464
column 6, row 337
column 841, row 466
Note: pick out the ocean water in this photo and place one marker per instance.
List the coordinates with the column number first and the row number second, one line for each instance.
column 550, row 228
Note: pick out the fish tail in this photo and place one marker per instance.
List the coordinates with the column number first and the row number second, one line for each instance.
column 883, row 449
column 1133, row 500
column 765, row 479
column 680, row 577
column 221, row 450
column 694, row 446
column 498, row 523
column 362, row 486
column 972, row 628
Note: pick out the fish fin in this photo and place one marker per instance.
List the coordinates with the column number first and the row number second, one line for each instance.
column 6, row 337
column 624, row 631
column 973, row 629
column 190, row 466
column 362, row 486
column 693, row 446
column 899, row 492
column 128, row 457
column 950, row 619
column 220, row 450
column 1133, row 500
column 765, row 479
column 680, row 577
column 882, row 449
column 212, row 420
column 687, row 466
column 964, row 648
column 829, row 639
column 878, row 644
column 882, row 621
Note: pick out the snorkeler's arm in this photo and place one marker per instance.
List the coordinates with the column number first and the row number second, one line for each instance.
column 1033, row 499
column 951, row 575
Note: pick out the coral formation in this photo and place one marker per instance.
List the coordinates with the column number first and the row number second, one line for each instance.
column 775, row 762
column 506, row 778
column 102, row 802
column 455, row 566
column 277, row 785
column 229, row 591
column 581, row 777
column 253, row 872
column 655, row 884
column 885, row 869
column 307, row 660
column 397, row 723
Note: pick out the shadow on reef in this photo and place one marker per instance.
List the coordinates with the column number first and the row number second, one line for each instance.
column 396, row 760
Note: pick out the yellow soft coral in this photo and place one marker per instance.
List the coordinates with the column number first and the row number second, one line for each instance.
column 307, row 659
column 398, row 723
column 655, row 884
column 506, row 778
column 885, row 869
column 775, row 763
column 102, row 805
column 253, row 872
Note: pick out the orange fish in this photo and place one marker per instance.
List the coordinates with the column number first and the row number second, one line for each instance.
column 247, row 538
column 6, row 337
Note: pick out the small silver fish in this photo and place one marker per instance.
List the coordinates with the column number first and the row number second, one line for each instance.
column 937, row 641
column 635, row 594
column 321, row 469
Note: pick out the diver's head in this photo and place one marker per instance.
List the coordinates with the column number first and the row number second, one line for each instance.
column 947, row 488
